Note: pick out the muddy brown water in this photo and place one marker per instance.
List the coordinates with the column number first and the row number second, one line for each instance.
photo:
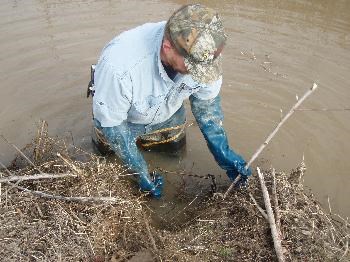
column 276, row 50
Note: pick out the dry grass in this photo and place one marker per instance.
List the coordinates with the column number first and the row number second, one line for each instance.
column 41, row 228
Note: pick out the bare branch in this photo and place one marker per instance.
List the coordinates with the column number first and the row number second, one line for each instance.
column 268, row 139
column 34, row 177
column 110, row 200
column 275, row 202
column 271, row 218
column 262, row 211
column 101, row 200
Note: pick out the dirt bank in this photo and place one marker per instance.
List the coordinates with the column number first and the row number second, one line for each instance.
column 95, row 214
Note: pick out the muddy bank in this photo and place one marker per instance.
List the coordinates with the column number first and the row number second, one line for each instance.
column 90, row 211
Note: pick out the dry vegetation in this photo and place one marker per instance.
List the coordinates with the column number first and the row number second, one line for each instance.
column 95, row 214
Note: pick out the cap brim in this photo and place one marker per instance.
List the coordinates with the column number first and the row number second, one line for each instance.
column 203, row 72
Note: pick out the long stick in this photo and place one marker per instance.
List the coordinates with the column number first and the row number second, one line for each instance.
column 110, row 200
column 323, row 109
column 261, row 148
column 271, row 218
column 275, row 202
column 34, row 177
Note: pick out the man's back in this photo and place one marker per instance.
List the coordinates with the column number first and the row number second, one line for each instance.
column 133, row 48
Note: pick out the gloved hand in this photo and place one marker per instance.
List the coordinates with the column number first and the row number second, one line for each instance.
column 240, row 169
column 154, row 185
column 122, row 141
column 209, row 116
column 158, row 182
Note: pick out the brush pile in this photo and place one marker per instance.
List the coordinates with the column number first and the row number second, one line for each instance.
column 85, row 208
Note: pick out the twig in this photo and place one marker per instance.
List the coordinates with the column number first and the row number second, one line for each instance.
column 34, row 177
column 261, row 148
column 346, row 249
column 111, row 200
column 40, row 135
column 179, row 212
column 153, row 242
column 21, row 153
column 275, row 202
column 323, row 109
column 262, row 211
column 271, row 218
column 76, row 169
column 329, row 206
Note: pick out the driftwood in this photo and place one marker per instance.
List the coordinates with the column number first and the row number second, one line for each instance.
column 271, row 218
column 261, row 148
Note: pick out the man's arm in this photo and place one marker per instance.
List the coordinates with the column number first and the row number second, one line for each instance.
column 123, row 143
column 111, row 103
column 209, row 116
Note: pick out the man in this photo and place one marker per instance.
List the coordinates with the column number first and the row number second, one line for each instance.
column 141, row 80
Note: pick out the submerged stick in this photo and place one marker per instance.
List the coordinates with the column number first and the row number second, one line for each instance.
column 323, row 109
column 275, row 235
column 261, row 148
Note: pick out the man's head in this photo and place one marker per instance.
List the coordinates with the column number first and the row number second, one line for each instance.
column 193, row 40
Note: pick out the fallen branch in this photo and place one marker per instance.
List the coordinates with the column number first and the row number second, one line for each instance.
column 34, row 177
column 262, row 211
column 261, row 148
column 275, row 202
column 109, row 200
column 271, row 218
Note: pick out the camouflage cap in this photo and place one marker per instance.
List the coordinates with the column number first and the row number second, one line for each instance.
column 198, row 34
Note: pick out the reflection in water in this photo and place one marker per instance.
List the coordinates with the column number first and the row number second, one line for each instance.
column 276, row 49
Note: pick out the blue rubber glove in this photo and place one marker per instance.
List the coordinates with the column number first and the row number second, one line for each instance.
column 240, row 170
column 153, row 185
column 209, row 117
column 123, row 142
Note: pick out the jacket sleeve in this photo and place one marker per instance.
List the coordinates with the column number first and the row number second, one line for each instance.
column 209, row 116
column 113, row 95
